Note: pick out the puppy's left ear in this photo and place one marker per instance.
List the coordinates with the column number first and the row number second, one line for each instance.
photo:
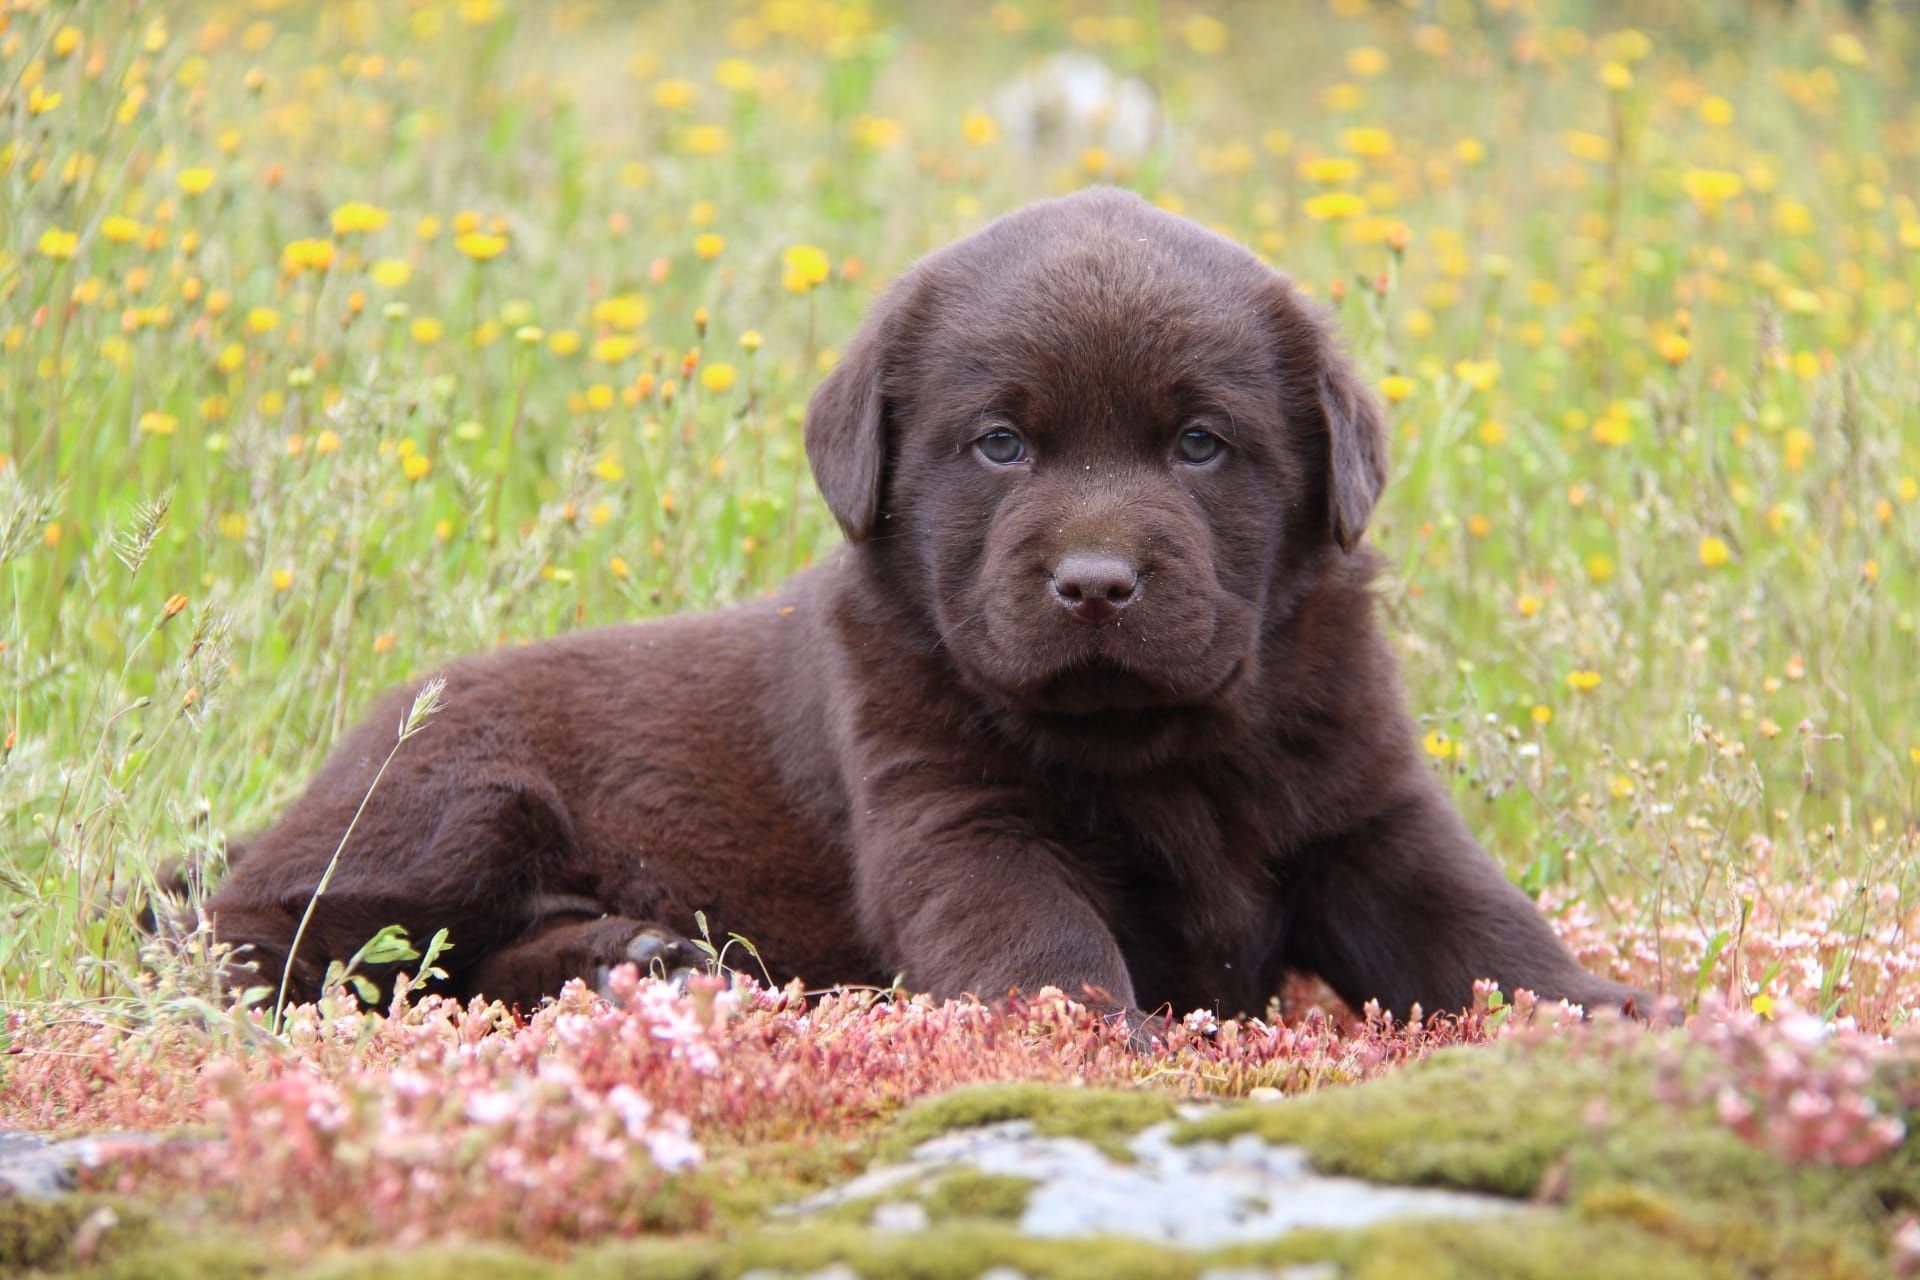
column 846, row 428
column 1323, row 392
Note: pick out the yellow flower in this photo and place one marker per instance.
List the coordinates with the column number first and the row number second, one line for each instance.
column 703, row 140
column 121, row 230
column 1369, row 142
column 1335, row 206
column 717, row 378
column 328, row 441
column 1478, row 374
column 480, row 245
column 1541, row 713
column 1762, row 1004
column 751, row 341
column 979, row 128
column 1674, row 347
column 709, row 245
column 262, row 320
column 610, row 470
column 426, row 330
column 1711, row 188
column 306, row 255
column 564, row 342
column 674, row 95
column 1438, row 745
column 1330, row 171
column 1908, row 489
column 1396, row 387
column 1204, row 34
column 415, row 466
column 155, row 423
column 196, row 180
column 282, row 579
column 1600, row 566
column 736, row 75
column 392, row 272
column 805, row 266
column 613, row 348
column 618, row 567
column 1583, row 681
column 358, row 216
column 622, row 311
column 1528, row 605
column 1617, row 76
column 55, row 243
column 1714, row 552
column 40, row 100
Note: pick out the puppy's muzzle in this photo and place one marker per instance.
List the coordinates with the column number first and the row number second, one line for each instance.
column 1094, row 587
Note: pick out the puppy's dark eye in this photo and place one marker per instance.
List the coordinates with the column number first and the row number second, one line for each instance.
column 1001, row 447
column 1198, row 447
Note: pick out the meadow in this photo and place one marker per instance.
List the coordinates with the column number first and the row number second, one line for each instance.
column 339, row 340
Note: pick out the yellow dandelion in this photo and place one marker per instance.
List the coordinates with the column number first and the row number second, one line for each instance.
column 1396, row 387
column 1438, row 745
column 622, row 311
column 415, row 466
column 717, row 378
column 610, row 470
column 306, row 255
column 282, row 579
column 618, row 567
column 1600, row 566
column 1334, row 206
column 709, row 245
column 1674, row 347
column 426, row 330
column 1714, row 552
column 391, row 273
column 196, row 181
column 156, row 423
column 613, row 348
column 1371, row 143
column 358, row 216
column 979, row 129
column 805, row 266
column 481, row 246
column 1541, row 713
column 58, row 244
column 1481, row 375
column 121, row 230
column 1330, row 171
column 1583, row 681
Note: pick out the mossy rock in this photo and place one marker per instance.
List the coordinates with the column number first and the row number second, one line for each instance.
column 1569, row 1125
column 968, row 1193
column 1105, row 1117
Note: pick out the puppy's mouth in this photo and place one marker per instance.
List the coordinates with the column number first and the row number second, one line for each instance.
column 1102, row 691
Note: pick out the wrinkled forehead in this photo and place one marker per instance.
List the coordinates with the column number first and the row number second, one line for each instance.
column 1105, row 333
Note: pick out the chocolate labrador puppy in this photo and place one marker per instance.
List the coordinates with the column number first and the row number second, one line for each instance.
column 1093, row 698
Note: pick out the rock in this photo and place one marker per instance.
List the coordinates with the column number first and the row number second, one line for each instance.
column 900, row 1215
column 1196, row 1195
column 32, row 1165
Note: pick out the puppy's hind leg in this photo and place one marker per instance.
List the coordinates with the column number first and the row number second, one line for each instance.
column 474, row 871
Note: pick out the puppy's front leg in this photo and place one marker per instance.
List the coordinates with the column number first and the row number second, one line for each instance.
column 1408, row 908
column 962, row 897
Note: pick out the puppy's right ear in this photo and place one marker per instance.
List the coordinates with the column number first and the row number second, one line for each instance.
column 847, row 417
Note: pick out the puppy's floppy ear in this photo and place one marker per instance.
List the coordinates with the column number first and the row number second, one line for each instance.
column 1321, row 391
column 847, row 416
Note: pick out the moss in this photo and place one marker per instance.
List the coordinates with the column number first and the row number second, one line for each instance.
column 437, row 1262
column 38, row 1234
column 947, row 1251
column 969, row 1193
column 1105, row 1117
column 1549, row 1121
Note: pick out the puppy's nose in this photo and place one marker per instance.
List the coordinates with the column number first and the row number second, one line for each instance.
column 1094, row 586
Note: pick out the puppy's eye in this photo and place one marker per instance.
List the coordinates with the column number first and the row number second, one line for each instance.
column 1198, row 447
column 1001, row 447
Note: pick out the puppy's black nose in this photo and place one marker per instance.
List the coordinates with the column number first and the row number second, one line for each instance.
column 1093, row 586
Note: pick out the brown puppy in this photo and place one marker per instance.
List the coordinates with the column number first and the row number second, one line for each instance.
column 1094, row 698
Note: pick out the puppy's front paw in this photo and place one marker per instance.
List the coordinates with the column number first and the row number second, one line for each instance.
column 656, row 952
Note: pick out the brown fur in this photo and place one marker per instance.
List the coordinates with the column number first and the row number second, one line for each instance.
column 914, row 761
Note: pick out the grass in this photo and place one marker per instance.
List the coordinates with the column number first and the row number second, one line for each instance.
column 340, row 340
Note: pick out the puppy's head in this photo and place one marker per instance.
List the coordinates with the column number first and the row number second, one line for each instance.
column 1101, row 452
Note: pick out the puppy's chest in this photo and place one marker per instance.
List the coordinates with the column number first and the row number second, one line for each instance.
column 1184, row 876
